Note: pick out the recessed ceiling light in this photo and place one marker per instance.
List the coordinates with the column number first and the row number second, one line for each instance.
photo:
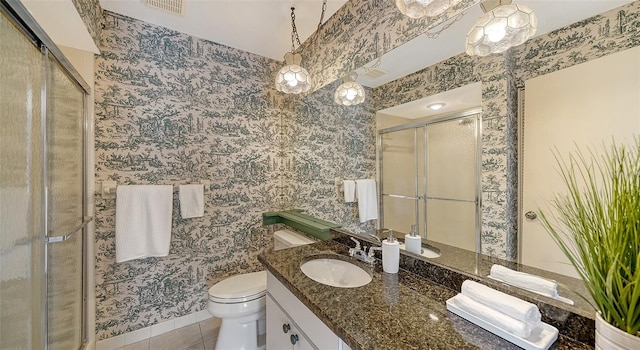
column 435, row 106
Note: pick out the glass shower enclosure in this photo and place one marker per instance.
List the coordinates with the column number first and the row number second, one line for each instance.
column 42, row 208
column 429, row 176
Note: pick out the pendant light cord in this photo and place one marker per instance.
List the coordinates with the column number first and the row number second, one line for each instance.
column 295, row 38
column 324, row 9
column 294, row 31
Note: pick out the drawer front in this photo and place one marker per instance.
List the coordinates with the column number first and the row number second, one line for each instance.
column 319, row 334
column 282, row 333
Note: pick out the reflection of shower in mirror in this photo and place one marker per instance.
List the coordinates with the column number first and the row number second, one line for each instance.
column 467, row 122
column 429, row 177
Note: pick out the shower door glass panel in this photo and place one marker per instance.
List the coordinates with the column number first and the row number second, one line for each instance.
column 452, row 223
column 399, row 152
column 451, row 159
column 451, row 182
column 65, row 209
column 400, row 188
column 399, row 213
column 21, row 246
column 429, row 178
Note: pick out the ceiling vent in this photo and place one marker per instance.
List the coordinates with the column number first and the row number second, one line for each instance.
column 175, row 7
column 374, row 73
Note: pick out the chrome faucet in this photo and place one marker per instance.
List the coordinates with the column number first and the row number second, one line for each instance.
column 356, row 252
column 375, row 237
column 372, row 254
column 362, row 255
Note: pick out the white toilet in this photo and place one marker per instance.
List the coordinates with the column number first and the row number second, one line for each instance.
column 240, row 302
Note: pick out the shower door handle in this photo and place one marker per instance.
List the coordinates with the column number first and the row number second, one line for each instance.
column 55, row 239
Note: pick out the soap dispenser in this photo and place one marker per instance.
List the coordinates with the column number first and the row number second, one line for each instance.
column 413, row 241
column 390, row 254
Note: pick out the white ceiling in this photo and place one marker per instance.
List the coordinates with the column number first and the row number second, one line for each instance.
column 460, row 99
column 61, row 21
column 263, row 27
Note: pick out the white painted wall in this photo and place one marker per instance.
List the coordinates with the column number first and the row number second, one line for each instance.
column 585, row 105
column 62, row 23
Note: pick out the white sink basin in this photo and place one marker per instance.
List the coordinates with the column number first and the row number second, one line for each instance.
column 336, row 273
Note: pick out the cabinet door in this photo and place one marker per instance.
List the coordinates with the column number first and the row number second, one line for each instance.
column 282, row 333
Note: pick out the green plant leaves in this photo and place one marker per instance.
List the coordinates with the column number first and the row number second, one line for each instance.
column 597, row 226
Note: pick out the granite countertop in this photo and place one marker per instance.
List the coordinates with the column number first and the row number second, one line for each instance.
column 394, row 311
column 479, row 266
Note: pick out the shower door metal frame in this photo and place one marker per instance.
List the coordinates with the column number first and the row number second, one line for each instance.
column 25, row 23
column 424, row 196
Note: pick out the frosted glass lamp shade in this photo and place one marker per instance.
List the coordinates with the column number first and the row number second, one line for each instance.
column 421, row 8
column 500, row 29
column 349, row 93
column 292, row 78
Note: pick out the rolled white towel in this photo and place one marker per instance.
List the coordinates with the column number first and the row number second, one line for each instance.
column 525, row 280
column 494, row 317
column 519, row 309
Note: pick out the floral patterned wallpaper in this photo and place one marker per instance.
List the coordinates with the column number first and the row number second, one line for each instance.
column 607, row 33
column 326, row 142
column 173, row 109
column 361, row 31
column 498, row 133
column 91, row 13
column 501, row 76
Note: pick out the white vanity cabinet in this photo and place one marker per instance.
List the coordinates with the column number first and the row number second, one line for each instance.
column 291, row 325
column 281, row 330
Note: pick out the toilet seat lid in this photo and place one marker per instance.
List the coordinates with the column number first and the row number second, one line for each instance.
column 239, row 288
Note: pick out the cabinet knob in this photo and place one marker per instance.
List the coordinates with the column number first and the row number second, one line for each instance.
column 286, row 327
column 294, row 339
column 531, row 215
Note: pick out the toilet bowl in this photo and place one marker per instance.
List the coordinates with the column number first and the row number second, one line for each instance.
column 239, row 301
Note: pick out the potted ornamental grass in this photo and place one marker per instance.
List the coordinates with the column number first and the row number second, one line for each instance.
column 597, row 226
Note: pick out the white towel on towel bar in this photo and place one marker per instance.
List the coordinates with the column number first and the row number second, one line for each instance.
column 517, row 308
column 191, row 201
column 367, row 199
column 349, row 189
column 143, row 221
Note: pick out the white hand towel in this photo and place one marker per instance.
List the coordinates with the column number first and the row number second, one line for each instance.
column 349, row 189
column 494, row 317
column 367, row 199
column 519, row 309
column 143, row 221
column 191, row 201
column 525, row 280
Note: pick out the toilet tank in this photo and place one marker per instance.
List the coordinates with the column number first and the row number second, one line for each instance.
column 283, row 239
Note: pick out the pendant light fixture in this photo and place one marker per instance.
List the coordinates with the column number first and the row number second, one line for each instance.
column 501, row 27
column 349, row 93
column 292, row 78
column 421, row 8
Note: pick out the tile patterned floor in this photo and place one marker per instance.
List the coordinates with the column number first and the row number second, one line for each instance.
column 198, row 336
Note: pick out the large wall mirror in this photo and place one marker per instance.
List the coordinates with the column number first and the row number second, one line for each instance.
column 429, row 167
column 587, row 105
column 533, row 66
